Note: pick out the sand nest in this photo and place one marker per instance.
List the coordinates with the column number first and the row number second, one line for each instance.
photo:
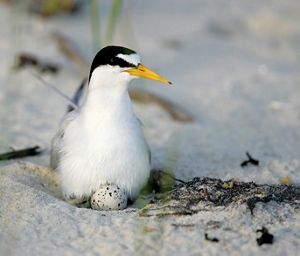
column 202, row 213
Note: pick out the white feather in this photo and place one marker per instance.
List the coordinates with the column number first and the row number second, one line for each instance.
column 131, row 58
column 102, row 142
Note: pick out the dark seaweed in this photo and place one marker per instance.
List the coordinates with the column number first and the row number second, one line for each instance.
column 250, row 160
column 211, row 239
column 191, row 197
column 265, row 238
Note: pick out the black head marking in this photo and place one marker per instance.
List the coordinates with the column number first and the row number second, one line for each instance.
column 108, row 56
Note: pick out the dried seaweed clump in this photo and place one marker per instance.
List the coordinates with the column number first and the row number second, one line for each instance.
column 202, row 194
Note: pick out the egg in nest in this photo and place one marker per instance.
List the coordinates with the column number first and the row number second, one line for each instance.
column 109, row 197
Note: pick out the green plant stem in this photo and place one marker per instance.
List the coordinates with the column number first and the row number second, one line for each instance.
column 95, row 24
column 113, row 17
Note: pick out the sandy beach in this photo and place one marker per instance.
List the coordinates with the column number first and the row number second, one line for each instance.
column 235, row 69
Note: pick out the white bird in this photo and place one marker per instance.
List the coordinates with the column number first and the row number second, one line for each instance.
column 101, row 142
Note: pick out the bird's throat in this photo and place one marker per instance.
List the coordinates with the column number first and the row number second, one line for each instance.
column 106, row 106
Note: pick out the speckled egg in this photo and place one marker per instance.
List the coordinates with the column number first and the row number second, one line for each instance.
column 109, row 197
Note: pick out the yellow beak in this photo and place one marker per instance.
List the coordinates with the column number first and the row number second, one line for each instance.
column 142, row 71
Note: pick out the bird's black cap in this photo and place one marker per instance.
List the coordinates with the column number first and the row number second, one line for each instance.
column 108, row 56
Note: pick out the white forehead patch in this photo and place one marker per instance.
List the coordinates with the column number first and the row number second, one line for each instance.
column 134, row 59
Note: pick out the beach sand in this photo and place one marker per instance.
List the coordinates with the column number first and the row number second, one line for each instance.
column 235, row 68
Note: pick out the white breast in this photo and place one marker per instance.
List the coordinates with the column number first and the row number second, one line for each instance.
column 104, row 144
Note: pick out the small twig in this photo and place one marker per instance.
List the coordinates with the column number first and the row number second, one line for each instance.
column 168, row 174
column 211, row 239
column 59, row 92
column 250, row 160
column 33, row 151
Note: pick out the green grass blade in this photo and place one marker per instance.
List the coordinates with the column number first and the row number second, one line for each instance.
column 95, row 24
column 114, row 15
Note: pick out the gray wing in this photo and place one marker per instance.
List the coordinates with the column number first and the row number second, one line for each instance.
column 58, row 139
column 79, row 95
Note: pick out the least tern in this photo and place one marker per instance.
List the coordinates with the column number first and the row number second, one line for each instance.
column 101, row 141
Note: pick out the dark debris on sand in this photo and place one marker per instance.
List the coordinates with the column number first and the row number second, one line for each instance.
column 13, row 154
column 24, row 60
column 204, row 193
column 250, row 160
column 211, row 239
column 265, row 238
